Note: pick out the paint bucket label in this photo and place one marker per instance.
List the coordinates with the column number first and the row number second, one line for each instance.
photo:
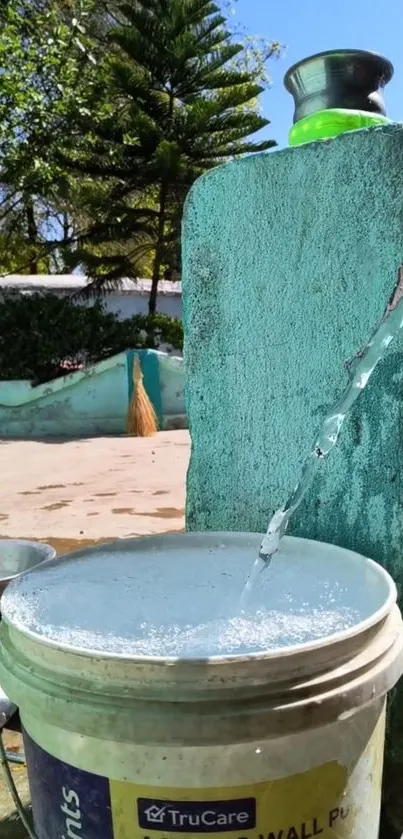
column 326, row 802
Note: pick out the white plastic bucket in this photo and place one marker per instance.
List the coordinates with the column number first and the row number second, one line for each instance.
column 141, row 724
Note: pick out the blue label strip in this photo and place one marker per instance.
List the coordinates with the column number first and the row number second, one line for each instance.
column 67, row 803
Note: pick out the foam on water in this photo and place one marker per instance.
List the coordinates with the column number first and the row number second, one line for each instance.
column 239, row 635
column 179, row 597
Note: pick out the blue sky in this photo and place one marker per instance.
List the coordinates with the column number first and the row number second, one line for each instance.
column 316, row 25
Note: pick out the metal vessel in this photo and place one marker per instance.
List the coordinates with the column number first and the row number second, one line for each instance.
column 350, row 79
column 20, row 555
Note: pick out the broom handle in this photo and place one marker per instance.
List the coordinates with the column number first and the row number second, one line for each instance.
column 137, row 374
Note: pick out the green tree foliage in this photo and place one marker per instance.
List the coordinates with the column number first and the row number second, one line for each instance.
column 40, row 334
column 109, row 110
column 179, row 106
column 46, row 83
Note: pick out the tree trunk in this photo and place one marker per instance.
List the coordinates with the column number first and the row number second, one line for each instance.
column 159, row 247
column 159, row 250
column 64, row 245
column 66, row 228
column 32, row 237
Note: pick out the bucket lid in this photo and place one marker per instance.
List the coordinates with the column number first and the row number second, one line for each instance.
column 170, row 597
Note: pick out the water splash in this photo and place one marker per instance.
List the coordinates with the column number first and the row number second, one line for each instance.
column 361, row 371
column 258, row 567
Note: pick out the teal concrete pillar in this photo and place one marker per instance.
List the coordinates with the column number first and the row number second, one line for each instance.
column 289, row 260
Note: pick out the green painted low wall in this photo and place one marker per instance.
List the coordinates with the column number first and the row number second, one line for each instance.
column 92, row 402
column 81, row 404
column 172, row 381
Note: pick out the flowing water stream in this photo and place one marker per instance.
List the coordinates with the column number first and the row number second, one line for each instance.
column 361, row 370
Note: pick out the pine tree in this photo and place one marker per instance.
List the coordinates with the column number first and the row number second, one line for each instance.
column 180, row 105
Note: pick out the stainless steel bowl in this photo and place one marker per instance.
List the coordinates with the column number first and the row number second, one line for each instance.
column 19, row 555
column 351, row 79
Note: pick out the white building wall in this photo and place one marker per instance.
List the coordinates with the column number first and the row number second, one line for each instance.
column 127, row 305
column 131, row 300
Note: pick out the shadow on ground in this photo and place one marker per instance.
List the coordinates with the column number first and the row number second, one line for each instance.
column 11, row 827
column 10, row 824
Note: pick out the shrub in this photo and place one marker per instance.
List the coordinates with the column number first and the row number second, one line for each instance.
column 42, row 333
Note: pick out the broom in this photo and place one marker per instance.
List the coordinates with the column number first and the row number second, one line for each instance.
column 141, row 417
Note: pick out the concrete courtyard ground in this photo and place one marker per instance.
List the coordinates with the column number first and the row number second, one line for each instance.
column 76, row 492
column 93, row 489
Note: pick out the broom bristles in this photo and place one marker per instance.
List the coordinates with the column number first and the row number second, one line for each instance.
column 141, row 416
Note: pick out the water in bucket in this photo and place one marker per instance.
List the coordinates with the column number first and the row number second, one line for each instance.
column 177, row 596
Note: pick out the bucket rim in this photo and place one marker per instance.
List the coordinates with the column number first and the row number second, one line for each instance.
column 194, row 662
